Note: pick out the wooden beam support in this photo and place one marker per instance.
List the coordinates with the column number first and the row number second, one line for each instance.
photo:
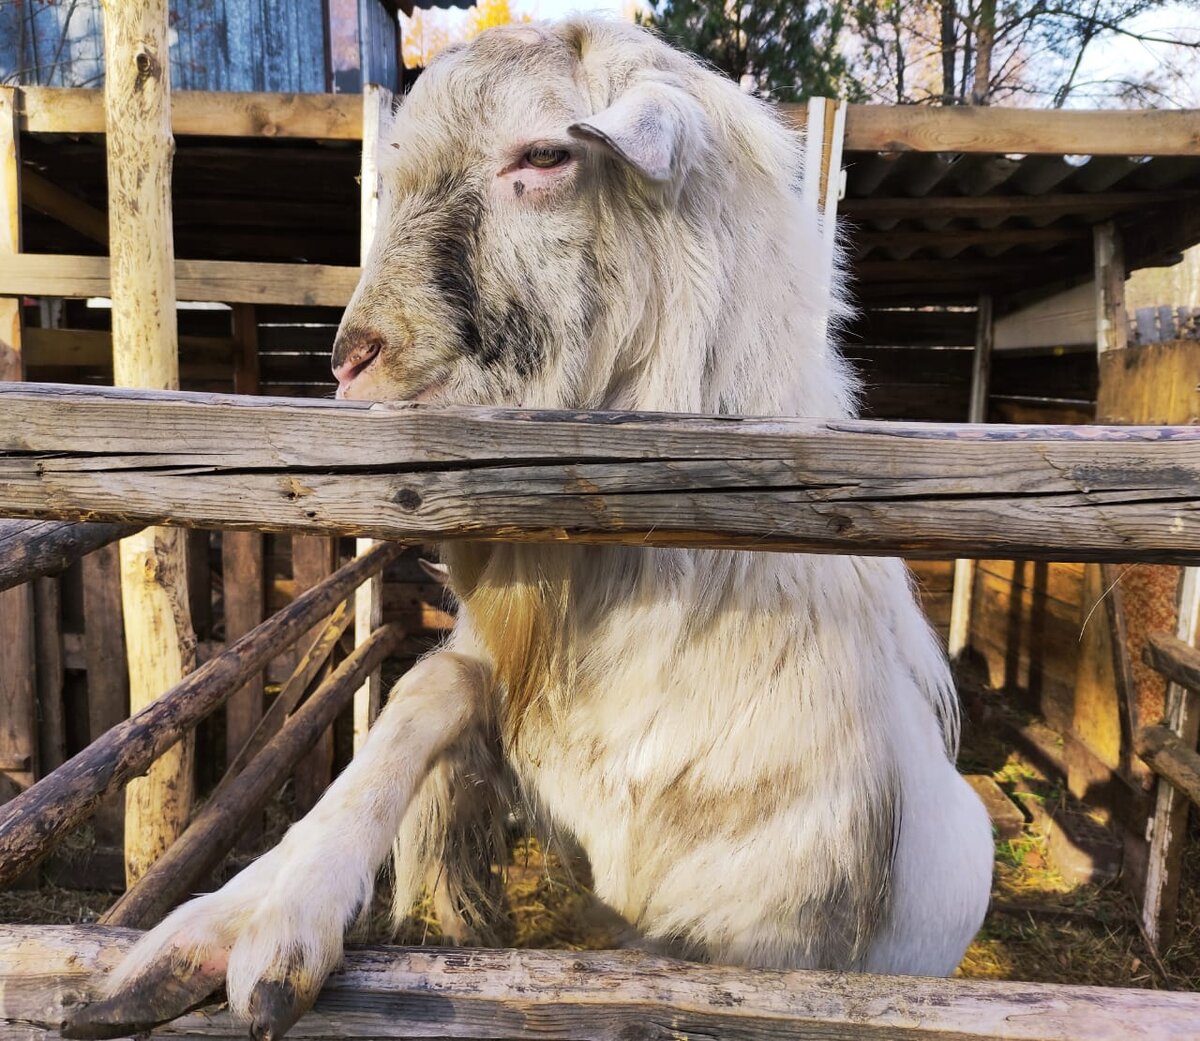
column 1055, row 205
column 54, row 110
column 33, row 822
column 226, row 281
column 158, row 629
column 1006, row 131
column 29, row 549
column 416, row 992
column 218, row 825
column 48, row 198
column 936, row 491
column 18, row 660
column 1178, row 661
column 964, row 568
column 1112, row 324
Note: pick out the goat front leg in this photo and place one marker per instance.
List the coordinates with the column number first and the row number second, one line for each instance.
column 274, row 931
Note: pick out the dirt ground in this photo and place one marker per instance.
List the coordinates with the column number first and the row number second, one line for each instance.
column 1040, row 927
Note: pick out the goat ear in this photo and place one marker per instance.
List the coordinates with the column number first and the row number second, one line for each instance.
column 655, row 127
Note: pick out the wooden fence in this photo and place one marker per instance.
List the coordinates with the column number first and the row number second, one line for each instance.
column 415, row 473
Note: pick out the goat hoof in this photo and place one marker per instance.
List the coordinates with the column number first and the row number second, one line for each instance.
column 275, row 1005
column 164, row 992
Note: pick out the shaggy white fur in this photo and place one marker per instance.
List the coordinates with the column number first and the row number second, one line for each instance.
column 754, row 750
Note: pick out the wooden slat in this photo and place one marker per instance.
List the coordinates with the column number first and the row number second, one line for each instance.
column 1056, row 204
column 1178, row 661
column 93, row 348
column 107, row 670
column 52, row 724
column 227, row 281
column 920, row 490
column 397, row 992
column 52, row 110
column 314, row 559
column 1003, row 131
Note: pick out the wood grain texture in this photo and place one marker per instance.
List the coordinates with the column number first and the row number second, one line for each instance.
column 226, row 281
column 432, row 473
column 1170, row 758
column 52, row 724
column 32, row 548
column 33, row 822
column 396, row 992
column 1179, row 662
column 223, row 818
column 52, row 110
column 313, row 559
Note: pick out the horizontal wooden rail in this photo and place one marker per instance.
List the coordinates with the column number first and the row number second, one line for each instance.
column 1178, row 661
column 31, row 823
column 1168, row 756
column 209, row 837
column 225, row 281
column 398, row 992
column 425, row 473
column 29, row 548
column 869, row 128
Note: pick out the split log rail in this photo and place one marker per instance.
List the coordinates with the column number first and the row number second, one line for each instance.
column 1170, row 754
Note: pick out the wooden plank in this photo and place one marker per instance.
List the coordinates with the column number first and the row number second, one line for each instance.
column 158, row 628
column 51, row 110
column 1002, row 131
column 224, row 816
column 1053, row 205
column 107, row 670
column 93, row 348
column 438, row 472
column 1151, row 383
column 38, row 818
column 964, row 569
column 52, row 724
column 226, row 281
column 29, row 549
column 1112, row 324
column 314, row 559
column 397, row 992
column 1171, row 758
column 1178, row 661
column 18, row 690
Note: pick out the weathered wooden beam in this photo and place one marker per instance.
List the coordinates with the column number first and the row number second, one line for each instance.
column 218, row 825
column 425, row 473
column 40, row 816
column 1169, row 757
column 29, row 549
column 54, row 110
column 227, row 281
column 405, row 992
column 158, row 626
column 1178, row 661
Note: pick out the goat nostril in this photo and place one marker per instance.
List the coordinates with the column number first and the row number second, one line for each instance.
column 353, row 354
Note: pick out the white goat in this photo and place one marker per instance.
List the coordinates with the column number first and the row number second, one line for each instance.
column 754, row 750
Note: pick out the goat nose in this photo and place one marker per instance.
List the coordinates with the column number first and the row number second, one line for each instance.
column 353, row 351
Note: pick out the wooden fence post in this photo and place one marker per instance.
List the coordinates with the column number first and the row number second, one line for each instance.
column 368, row 600
column 964, row 570
column 18, row 692
column 140, row 149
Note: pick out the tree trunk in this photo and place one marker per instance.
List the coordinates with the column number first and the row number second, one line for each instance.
column 985, row 40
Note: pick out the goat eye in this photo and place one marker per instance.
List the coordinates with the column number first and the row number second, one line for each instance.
column 546, row 158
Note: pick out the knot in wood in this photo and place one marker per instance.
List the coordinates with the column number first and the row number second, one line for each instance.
column 148, row 67
column 407, row 499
